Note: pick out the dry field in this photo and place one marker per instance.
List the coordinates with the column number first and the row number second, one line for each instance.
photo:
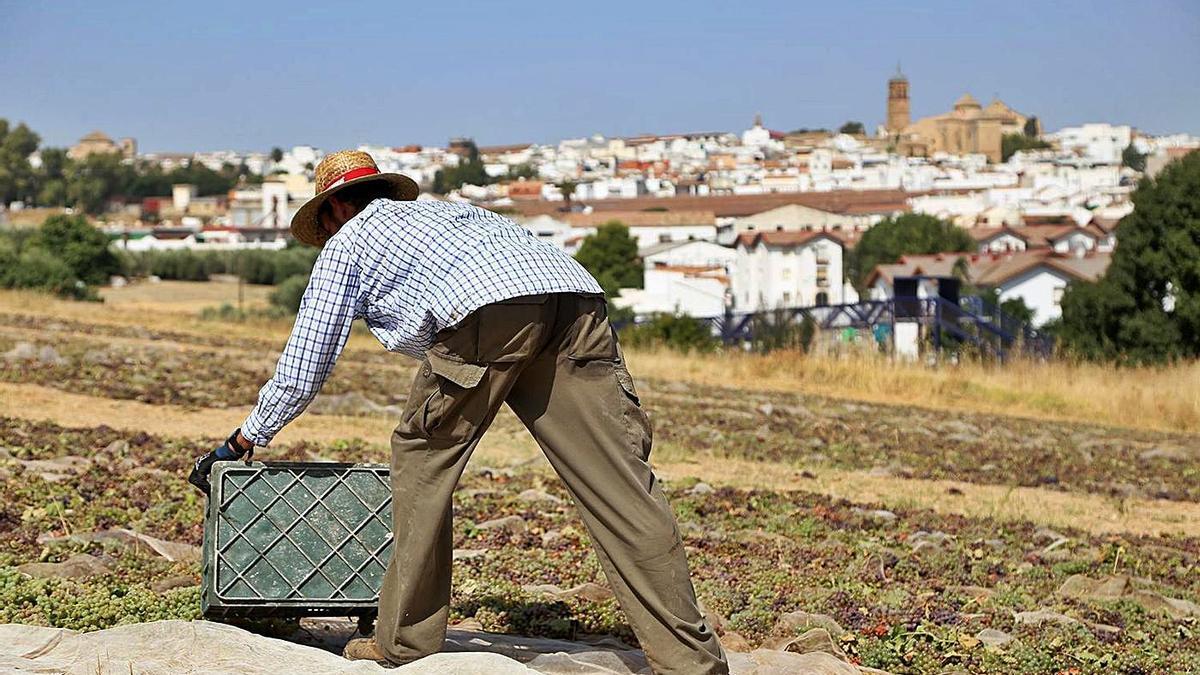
column 1035, row 518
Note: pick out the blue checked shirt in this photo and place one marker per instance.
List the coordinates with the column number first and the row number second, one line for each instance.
column 409, row 269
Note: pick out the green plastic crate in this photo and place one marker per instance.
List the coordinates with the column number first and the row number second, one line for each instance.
column 296, row 539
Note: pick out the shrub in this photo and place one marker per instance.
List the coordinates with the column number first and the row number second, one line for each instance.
column 83, row 248
column 675, row 331
column 256, row 266
column 287, row 295
column 40, row 269
column 777, row 330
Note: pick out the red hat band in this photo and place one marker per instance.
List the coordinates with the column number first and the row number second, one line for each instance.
column 350, row 175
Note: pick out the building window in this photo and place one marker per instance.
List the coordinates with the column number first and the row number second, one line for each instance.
column 787, row 298
column 822, row 299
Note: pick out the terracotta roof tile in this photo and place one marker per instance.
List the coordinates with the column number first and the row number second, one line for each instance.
column 840, row 201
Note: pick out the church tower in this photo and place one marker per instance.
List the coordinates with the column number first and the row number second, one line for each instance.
column 897, row 103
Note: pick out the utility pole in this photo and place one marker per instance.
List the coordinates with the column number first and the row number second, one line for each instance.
column 241, row 279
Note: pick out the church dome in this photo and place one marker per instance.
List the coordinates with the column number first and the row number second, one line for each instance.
column 97, row 137
column 966, row 101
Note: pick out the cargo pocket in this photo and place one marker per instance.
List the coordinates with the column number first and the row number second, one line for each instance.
column 452, row 408
column 592, row 338
column 637, row 422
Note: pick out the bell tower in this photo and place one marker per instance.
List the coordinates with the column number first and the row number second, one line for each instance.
column 897, row 103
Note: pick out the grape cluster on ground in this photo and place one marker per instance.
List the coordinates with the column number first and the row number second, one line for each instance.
column 907, row 589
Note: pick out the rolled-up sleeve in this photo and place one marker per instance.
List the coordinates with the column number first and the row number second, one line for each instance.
column 329, row 306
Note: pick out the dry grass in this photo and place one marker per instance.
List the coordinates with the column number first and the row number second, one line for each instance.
column 506, row 443
column 183, row 297
column 1165, row 398
column 1097, row 514
column 167, row 306
column 1146, row 398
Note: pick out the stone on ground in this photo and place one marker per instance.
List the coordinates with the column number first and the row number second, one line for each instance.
column 1118, row 587
column 130, row 540
column 586, row 591
column 799, row 621
column 508, row 523
column 993, row 638
column 77, row 566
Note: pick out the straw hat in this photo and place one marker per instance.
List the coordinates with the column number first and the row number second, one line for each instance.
column 336, row 171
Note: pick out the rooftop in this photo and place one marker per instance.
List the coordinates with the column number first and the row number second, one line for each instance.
column 722, row 206
column 994, row 269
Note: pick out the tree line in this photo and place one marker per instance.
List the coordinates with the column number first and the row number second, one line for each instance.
column 91, row 183
column 470, row 171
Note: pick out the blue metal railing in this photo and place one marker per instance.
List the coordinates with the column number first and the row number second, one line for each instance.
column 991, row 330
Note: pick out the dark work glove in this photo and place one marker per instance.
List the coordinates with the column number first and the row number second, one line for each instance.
column 228, row 451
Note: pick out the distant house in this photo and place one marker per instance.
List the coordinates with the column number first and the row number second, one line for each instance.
column 698, row 291
column 650, row 227
column 788, row 269
column 696, row 253
column 552, row 230
column 998, row 239
column 688, row 277
column 208, row 238
column 525, row 189
column 1067, row 238
column 1038, row 277
column 798, row 218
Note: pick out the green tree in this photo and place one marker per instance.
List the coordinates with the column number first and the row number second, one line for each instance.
column 567, row 189
column 81, row 247
column 96, row 179
column 469, row 170
column 1014, row 306
column 51, row 178
column 1032, row 127
column 853, row 128
column 1133, row 159
column 1146, row 308
column 277, row 154
column 17, row 180
column 611, row 255
column 148, row 181
column 908, row 234
column 1011, row 144
column 526, row 171
column 207, row 181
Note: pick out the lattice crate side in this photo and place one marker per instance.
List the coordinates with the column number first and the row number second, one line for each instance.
column 295, row 538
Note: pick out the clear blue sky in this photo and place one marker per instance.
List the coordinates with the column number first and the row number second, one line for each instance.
column 249, row 75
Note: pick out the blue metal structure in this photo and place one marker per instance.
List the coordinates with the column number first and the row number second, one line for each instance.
column 947, row 323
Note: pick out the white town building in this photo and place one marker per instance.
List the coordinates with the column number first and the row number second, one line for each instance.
column 788, row 269
column 1098, row 143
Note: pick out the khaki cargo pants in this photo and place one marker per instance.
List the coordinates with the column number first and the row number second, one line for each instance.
column 554, row 360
